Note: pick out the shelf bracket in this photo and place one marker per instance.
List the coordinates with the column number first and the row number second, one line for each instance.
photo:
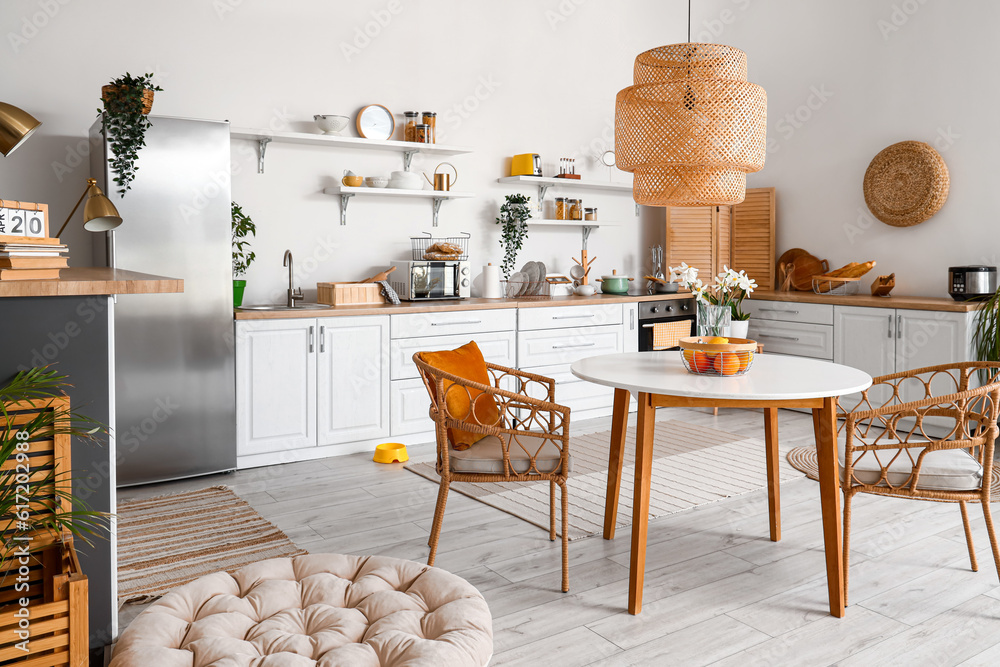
column 542, row 190
column 262, row 143
column 437, row 209
column 407, row 158
column 586, row 235
column 344, row 200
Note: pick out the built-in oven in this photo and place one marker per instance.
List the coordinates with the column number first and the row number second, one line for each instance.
column 682, row 312
column 430, row 280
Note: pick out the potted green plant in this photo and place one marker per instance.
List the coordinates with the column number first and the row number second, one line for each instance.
column 986, row 333
column 126, row 102
column 514, row 214
column 243, row 256
column 39, row 384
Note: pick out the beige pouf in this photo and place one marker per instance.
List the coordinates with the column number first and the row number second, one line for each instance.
column 322, row 610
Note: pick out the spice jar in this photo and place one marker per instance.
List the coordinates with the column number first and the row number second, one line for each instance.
column 561, row 209
column 423, row 132
column 410, row 125
column 590, row 214
column 429, row 118
column 575, row 211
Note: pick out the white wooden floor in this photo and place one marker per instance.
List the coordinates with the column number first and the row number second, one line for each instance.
column 717, row 591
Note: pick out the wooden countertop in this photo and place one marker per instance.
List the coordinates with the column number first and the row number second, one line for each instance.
column 92, row 280
column 445, row 306
column 868, row 301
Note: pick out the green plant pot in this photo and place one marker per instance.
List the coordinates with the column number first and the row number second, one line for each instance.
column 238, row 287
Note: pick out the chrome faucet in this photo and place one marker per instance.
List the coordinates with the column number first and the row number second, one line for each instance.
column 293, row 294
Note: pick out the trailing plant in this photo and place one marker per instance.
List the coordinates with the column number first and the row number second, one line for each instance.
column 37, row 490
column 514, row 214
column 243, row 226
column 124, row 125
column 986, row 334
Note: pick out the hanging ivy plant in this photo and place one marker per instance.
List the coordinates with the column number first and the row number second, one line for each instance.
column 126, row 101
column 513, row 229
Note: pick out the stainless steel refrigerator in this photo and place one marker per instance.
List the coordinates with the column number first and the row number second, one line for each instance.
column 175, row 400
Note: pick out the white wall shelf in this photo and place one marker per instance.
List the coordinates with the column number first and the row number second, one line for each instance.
column 543, row 183
column 407, row 148
column 345, row 193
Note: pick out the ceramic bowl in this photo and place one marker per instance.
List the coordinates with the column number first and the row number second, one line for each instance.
column 331, row 124
column 376, row 181
column 406, row 180
column 353, row 181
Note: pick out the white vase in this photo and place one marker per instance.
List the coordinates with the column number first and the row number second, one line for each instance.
column 738, row 328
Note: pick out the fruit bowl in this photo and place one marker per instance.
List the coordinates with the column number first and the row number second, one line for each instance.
column 717, row 357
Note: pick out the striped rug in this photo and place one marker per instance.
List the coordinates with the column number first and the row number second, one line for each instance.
column 692, row 465
column 167, row 541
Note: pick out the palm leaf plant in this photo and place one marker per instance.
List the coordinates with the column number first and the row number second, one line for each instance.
column 986, row 334
column 35, row 501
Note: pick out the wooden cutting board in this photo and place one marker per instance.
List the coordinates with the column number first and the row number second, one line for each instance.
column 803, row 270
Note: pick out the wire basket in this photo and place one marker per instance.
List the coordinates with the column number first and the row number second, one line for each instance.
column 835, row 286
column 440, row 248
column 527, row 289
column 717, row 359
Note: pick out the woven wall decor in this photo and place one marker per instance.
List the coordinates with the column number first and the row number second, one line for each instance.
column 691, row 127
column 906, row 184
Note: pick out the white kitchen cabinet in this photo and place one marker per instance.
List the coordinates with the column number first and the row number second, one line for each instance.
column 409, row 405
column 564, row 346
column 353, row 379
column 275, row 385
column 557, row 317
column 467, row 322
column 498, row 347
column 795, row 338
column 864, row 338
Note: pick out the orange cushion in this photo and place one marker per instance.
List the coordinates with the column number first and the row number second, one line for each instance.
column 466, row 362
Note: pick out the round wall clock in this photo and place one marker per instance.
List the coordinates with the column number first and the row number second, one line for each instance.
column 375, row 122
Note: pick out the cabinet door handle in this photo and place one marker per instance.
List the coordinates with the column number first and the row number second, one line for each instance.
column 899, row 326
column 573, row 317
column 631, row 320
column 322, row 339
column 763, row 335
column 890, row 327
column 312, row 338
column 567, row 345
column 778, row 310
column 451, row 324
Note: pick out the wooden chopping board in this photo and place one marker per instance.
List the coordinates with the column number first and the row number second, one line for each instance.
column 803, row 266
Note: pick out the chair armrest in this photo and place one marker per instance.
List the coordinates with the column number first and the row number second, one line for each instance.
column 524, row 377
column 558, row 415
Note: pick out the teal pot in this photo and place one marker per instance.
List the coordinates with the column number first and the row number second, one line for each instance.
column 614, row 284
column 238, row 287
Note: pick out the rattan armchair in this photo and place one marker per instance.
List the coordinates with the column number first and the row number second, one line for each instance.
column 892, row 447
column 529, row 442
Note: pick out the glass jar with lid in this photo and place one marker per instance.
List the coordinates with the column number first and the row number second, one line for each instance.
column 562, row 208
column 429, row 118
column 411, row 118
column 575, row 210
column 423, row 132
column 590, row 214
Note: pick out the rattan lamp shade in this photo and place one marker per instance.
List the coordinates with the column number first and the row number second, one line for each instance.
column 906, row 184
column 692, row 127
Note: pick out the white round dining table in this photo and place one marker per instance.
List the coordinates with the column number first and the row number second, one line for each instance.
column 659, row 379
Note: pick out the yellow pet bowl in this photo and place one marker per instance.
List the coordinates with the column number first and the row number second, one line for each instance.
column 391, row 452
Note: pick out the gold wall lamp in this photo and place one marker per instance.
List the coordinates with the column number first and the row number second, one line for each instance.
column 16, row 125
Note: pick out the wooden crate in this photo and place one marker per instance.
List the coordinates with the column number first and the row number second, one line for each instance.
column 349, row 294
column 57, row 590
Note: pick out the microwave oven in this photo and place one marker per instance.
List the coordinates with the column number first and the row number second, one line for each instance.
column 430, row 280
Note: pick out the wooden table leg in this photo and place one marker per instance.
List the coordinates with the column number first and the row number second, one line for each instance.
column 825, row 420
column 773, row 479
column 619, row 426
column 640, row 504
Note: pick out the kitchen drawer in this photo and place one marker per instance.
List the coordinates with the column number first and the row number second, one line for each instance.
column 576, row 394
column 785, row 311
column 564, row 346
column 408, row 408
column 498, row 348
column 557, row 317
column 802, row 340
column 453, row 322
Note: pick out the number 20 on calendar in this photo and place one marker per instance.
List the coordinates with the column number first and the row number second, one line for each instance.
column 23, row 219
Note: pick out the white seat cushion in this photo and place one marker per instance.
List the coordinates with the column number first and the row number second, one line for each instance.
column 318, row 610
column 944, row 470
column 486, row 456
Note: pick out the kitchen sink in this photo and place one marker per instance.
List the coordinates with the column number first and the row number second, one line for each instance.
column 298, row 306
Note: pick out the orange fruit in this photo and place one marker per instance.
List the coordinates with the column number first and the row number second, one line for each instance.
column 745, row 359
column 698, row 361
column 727, row 363
column 717, row 340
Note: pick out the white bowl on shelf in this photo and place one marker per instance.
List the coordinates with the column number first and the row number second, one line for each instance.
column 331, row 124
column 406, row 180
column 376, row 181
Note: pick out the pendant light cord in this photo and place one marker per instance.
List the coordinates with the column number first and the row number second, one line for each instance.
column 689, row 21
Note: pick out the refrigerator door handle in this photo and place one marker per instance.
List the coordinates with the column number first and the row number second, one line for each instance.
column 312, row 338
column 322, row 339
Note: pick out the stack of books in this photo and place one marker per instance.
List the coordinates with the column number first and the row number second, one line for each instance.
column 23, row 258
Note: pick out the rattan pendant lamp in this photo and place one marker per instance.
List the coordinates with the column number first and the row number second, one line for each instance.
column 691, row 127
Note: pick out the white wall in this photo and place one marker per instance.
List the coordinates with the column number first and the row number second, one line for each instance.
column 527, row 76
column 889, row 70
